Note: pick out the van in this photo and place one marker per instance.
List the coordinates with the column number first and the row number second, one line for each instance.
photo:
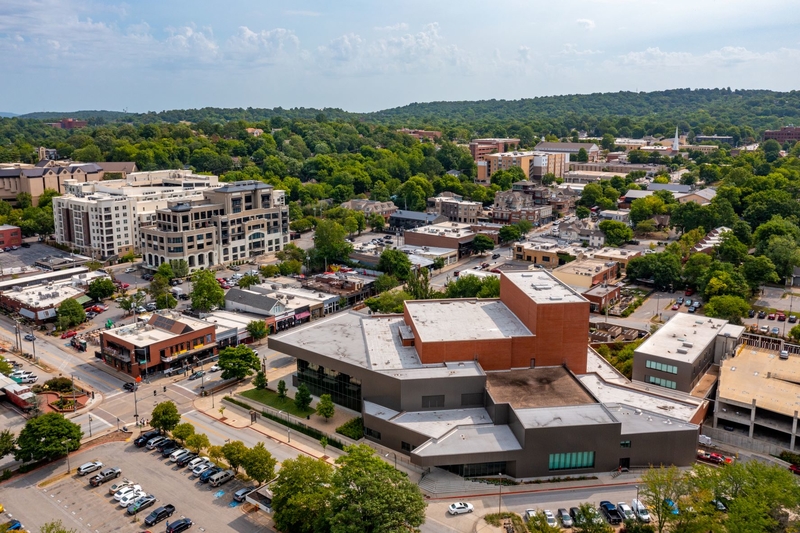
column 784, row 354
column 640, row 511
column 152, row 443
column 221, row 477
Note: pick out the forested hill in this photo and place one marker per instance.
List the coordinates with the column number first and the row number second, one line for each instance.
column 755, row 108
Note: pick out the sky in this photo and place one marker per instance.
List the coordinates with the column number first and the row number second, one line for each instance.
column 154, row 55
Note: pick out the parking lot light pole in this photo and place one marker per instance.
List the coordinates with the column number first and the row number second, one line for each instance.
column 33, row 343
column 90, row 425
column 500, row 494
column 395, row 459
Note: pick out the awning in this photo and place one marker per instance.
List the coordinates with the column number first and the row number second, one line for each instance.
column 83, row 299
column 301, row 316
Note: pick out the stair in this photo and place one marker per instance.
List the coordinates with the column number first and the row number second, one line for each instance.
column 439, row 481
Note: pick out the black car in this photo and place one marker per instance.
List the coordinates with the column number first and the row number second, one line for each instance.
column 611, row 513
column 751, row 313
column 762, row 314
column 25, row 245
column 167, row 451
column 182, row 524
column 166, row 442
column 159, row 514
column 183, row 461
column 7, row 249
column 140, row 504
column 495, row 256
column 144, row 437
column 29, row 337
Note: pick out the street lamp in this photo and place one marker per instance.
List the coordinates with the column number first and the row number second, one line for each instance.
column 33, row 343
column 395, row 459
column 500, row 494
column 66, row 447
column 90, row 425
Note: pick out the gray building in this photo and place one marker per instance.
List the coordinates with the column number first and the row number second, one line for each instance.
column 678, row 355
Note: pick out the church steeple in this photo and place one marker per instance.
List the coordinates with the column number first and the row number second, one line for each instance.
column 675, row 144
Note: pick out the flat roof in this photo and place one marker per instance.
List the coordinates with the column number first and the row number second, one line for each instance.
column 464, row 319
column 427, row 250
column 471, row 440
column 761, row 375
column 337, row 337
column 42, row 277
column 433, row 424
column 445, row 229
column 542, row 287
column 682, row 339
column 635, row 421
column 41, row 296
column 229, row 319
column 600, row 290
column 587, row 265
column 537, row 387
column 384, row 350
column 564, row 416
column 616, row 253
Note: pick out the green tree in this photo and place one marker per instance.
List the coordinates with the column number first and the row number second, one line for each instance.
column 235, row 453
column 438, row 263
column 24, row 200
column 291, row 252
column 70, row 313
column 260, row 381
column 7, row 443
column 482, row 244
column 538, row 524
column 302, row 398
column 657, row 486
column 165, row 416
column 206, row 292
column 732, row 308
column 373, row 496
column 56, row 527
column 509, row 233
column 166, row 301
column 281, row 389
column 287, row 268
column 468, row 286
column 616, row 233
column 395, row 263
column 695, row 268
column 329, row 242
column 259, row 464
column 183, row 431
column 731, row 249
column 388, row 302
column 548, row 179
column 795, row 333
column 130, row 257
column 257, row 329
column 377, row 222
column 325, row 407
column 582, row 212
column 198, row 442
column 758, row 270
column 269, row 271
column 385, row 282
column 159, row 286
column 46, row 437
column 238, row 362
column 46, row 198
column 93, row 265
column 180, row 268
column 524, row 227
column 583, row 156
column 784, row 254
column 302, row 494
column 165, row 270
column 101, row 288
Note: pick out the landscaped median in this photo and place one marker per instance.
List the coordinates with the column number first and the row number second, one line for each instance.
column 273, row 399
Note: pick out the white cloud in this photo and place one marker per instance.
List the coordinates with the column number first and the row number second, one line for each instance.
column 189, row 43
column 586, row 23
column 265, row 46
column 422, row 51
column 400, row 26
column 573, row 50
column 524, row 54
column 727, row 56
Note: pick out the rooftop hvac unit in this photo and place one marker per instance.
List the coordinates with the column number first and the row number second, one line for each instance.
column 688, row 345
column 682, row 350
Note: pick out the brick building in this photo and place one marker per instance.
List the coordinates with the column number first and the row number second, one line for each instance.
column 480, row 148
column 421, row 134
column 587, row 272
column 786, row 134
column 10, row 236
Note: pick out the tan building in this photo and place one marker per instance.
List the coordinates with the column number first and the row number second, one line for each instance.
column 35, row 180
column 620, row 255
column 587, row 273
column 368, row 207
column 571, row 149
column 450, row 235
column 237, row 221
column 168, row 340
column 480, row 148
column 701, row 196
column 535, row 164
column 455, row 208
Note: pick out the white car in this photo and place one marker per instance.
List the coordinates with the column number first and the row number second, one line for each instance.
column 196, row 461
column 173, row 457
column 460, row 508
column 130, row 270
column 127, row 490
column 550, row 518
column 89, row 467
column 214, row 368
column 199, row 469
column 626, row 511
column 129, row 498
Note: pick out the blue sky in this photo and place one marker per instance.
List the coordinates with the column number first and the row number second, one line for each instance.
column 150, row 55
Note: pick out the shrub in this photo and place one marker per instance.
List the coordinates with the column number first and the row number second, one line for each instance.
column 790, row 457
column 58, row 384
column 353, row 428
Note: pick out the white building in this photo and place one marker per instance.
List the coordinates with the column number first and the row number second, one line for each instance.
column 102, row 219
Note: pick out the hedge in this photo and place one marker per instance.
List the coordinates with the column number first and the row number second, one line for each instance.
column 305, row 430
column 353, row 428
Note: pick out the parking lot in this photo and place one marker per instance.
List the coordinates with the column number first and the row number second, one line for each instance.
column 25, row 257
column 77, row 504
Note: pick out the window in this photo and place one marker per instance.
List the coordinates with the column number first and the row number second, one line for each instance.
column 372, row 433
column 661, row 382
column 655, row 365
column 571, row 461
column 406, row 447
column 429, row 402
column 625, row 444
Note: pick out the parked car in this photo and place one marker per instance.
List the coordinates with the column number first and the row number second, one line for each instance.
column 167, row 450
column 105, row 475
column 214, row 368
column 776, row 330
column 781, row 317
column 687, row 302
column 764, row 329
column 495, row 256
column 165, row 443
column 762, row 314
column 25, row 245
column 751, row 313
column 175, row 455
column 196, row 461
column 672, row 505
column 795, row 469
column 235, row 268
column 692, row 309
column 141, row 503
column 550, row 518
column 121, row 493
column 220, row 478
column 626, row 511
column 241, row 494
column 460, row 508
column 611, row 513
column 90, row 315
column 131, row 497
column 199, row 469
column 577, row 517
column 181, row 524
column 29, row 337
column 12, row 525
column 204, row 477
column 792, row 319
column 676, row 307
column 118, row 486
column 157, row 515
column 155, row 441
column 130, row 270
column 679, row 301
column 197, row 375
column 185, row 459
column 566, row 519
column 88, row 468
column 771, row 316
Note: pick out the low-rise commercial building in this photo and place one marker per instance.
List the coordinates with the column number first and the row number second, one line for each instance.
column 480, row 148
column 39, row 300
column 678, row 355
column 10, row 236
column 790, row 134
column 370, row 207
column 455, row 208
column 535, row 164
column 700, row 196
column 619, row 215
column 571, row 149
column 168, row 340
column 587, row 272
column 619, row 255
column 421, row 134
column 446, row 235
column 449, row 256
column 402, row 220
column 602, row 296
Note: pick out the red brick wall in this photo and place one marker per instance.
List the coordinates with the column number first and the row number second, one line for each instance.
column 10, row 237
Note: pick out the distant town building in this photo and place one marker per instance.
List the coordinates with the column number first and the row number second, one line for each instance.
column 785, row 134
column 700, row 196
column 68, row 124
column 10, row 236
column 402, row 219
column 725, row 139
column 255, row 132
column 587, row 272
column 445, row 235
column 479, row 148
column 535, row 164
column 572, row 149
column 421, row 134
column 369, row 207
column 455, row 208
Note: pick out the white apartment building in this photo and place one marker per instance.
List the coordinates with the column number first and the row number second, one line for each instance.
column 102, row 219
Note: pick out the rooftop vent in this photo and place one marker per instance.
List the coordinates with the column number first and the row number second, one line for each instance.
column 683, row 351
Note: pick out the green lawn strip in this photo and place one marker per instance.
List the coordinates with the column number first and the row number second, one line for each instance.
column 271, row 398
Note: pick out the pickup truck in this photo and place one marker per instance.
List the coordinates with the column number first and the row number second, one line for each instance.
column 162, row 513
column 609, row 510
column 105, row 475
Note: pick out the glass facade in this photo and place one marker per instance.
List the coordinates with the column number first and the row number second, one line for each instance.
column 344, row 390
column 671, row 369
column 661, row 382
column 571, row 461
column 477, row 469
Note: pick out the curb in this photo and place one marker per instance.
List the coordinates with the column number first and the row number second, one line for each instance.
column 535, row 491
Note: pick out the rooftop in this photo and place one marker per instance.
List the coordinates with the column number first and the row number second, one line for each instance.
column 616, row 253
column 542, row 287
column 761, row 375
column 446, row 229
column 683, row 338
column 430, row 423
column 537, row 387
column 564, row 416
column 426, row 250
column 42, row 296
column 445, row 320
column 228, row 319
column 466, row 440
column 415, row 215
column 587, row 266
column 159, row 327
column 636, row 421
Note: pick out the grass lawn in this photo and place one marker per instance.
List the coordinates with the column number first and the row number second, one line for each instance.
column 270, row 398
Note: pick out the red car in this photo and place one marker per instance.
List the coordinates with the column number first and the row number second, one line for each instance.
column 689, row 292
column 676, row 307
column 781, row 317
column 68, row 334
column 795, row 469
column 771, row 316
